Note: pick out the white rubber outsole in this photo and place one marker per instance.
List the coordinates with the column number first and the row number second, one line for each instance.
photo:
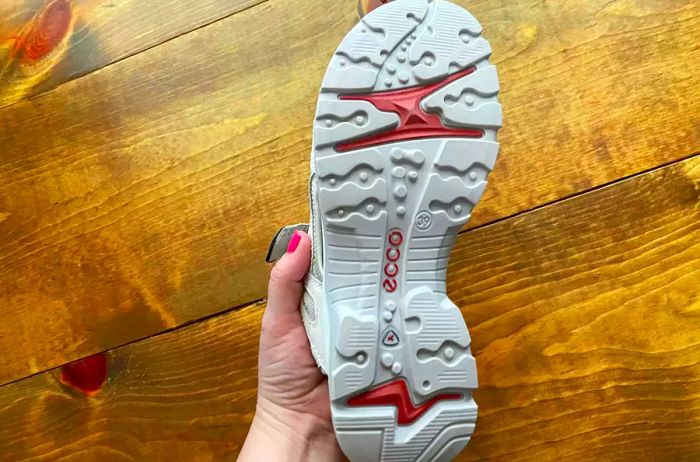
column 394, row 189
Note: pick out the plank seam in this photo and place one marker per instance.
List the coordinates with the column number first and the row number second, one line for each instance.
column 583, row 192
column 253, row 304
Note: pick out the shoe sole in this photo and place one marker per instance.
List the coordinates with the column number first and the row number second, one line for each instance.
column 404, row 138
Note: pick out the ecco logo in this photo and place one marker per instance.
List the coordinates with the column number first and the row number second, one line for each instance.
column 391, row 268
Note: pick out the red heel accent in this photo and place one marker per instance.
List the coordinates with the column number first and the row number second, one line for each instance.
column 396, row 394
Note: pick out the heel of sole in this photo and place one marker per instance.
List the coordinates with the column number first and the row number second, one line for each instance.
column 431, row 365
column 371, row 433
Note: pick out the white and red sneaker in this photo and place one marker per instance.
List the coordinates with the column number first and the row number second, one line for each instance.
column 404, row 139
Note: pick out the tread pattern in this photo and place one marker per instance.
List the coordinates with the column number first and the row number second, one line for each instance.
column 390, row 214
column 467, row 102
column 446, row 422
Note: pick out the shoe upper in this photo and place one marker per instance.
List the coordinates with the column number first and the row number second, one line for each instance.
column 312, row 303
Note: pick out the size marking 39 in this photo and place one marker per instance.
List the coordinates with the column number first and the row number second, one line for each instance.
column 391, row 268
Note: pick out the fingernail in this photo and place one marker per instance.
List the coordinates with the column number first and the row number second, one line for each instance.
column 294, row 242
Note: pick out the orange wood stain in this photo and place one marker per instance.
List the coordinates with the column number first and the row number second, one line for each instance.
column 86, row 375
column 48, row 29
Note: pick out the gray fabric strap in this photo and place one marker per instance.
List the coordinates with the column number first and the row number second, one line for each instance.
column 279, row 243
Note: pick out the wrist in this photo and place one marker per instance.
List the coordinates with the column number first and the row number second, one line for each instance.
column 278, row 434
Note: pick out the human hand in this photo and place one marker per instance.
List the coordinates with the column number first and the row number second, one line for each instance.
column 293, row 417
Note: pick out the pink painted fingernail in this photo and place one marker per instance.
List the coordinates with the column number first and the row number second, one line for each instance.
column 294, row 242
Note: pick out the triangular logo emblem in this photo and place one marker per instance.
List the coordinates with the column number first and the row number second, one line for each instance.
column 390, row 337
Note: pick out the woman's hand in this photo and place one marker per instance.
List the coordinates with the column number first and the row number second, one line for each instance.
column 293, row 418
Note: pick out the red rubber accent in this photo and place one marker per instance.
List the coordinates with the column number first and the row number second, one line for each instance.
column 396, row 394
column 398, row 254
column 414, row 122
column 393, row 272
column 395, row 234
column 390, row 285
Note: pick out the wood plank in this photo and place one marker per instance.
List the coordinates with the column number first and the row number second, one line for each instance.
column 45, row 43
column 143, row 196
column 585, row 320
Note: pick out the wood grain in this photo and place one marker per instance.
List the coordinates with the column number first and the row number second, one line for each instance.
column 143, row 196
column 45, row 43
column 585, row 322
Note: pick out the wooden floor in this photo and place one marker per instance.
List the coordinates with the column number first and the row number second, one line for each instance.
column 149, row 150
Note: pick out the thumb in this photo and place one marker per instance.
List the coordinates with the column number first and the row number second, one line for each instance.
column 287, row 277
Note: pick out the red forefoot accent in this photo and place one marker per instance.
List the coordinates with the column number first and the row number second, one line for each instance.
column 396, row 394
column 414, row 122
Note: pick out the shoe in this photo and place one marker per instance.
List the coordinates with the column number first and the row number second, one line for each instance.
column 403, row 140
